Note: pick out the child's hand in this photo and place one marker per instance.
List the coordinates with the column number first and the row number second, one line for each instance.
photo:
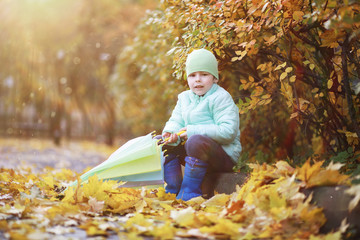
column 172, row 137
column 183, row 135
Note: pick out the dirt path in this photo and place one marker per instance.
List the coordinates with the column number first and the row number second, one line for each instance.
column 39, row 154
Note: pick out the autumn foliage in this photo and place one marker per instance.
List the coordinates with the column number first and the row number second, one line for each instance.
column 291, row 65
column 270, row 204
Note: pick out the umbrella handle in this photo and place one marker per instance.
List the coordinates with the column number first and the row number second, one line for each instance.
column 179, row 133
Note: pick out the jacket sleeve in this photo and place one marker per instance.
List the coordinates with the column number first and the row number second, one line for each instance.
column 176, row 120
column 226, row 121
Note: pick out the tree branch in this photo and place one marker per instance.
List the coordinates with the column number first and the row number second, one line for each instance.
column 348, row 94
column 304, row 39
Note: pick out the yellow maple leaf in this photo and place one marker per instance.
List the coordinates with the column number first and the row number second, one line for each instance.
column 162, row 195
column 138, row 220
column 166, row 206
column 119, row 203
column 69, row 195
column 195, row 202
column 165, row 231
column 281, row 213
column 307, row 171
column 316, row 176
column 63, row 209
column 206, row 219
column 92, row 229
column 95, row 231
column 314, row 216
column 184, row 217
column 97, row 188
column 140, row 205
column 284, row 168
column 276, row 201
column 327, row 178
column 49, row 181
column 5, row 176
column 223, row 226
column 217, row 200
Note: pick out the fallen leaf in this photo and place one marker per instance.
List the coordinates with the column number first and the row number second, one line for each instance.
column 353, row 191
column 96, row 206
column 184, row 217
column 220, row 200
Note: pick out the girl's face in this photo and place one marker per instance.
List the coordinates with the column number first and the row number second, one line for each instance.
column 201, row 82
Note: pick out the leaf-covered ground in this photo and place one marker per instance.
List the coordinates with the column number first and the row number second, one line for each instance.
column 270, row 205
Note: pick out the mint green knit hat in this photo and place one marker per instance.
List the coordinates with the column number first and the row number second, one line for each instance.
column 202, row 60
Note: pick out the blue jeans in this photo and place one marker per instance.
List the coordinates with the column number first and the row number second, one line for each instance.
column 205, row 149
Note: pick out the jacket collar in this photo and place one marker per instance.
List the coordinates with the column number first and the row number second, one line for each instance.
column 211, row 91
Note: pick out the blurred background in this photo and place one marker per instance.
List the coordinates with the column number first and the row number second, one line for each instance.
column 58, row 59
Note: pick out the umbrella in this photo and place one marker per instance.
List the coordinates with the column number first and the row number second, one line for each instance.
column 137, row 162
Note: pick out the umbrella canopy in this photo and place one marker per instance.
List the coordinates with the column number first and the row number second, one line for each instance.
column 138, row 162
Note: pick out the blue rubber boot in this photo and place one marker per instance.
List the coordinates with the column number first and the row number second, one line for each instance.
column 195, row 171
column 173, row 175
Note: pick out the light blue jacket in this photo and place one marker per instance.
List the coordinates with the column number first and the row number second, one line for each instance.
column 214, row 115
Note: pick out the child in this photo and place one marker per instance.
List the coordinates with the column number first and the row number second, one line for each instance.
column 210, row 119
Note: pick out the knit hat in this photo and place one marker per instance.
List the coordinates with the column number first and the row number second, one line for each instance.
column 202, row 60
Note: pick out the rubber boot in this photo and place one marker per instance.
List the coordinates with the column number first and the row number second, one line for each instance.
column 195, row 170
column 173, row 175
